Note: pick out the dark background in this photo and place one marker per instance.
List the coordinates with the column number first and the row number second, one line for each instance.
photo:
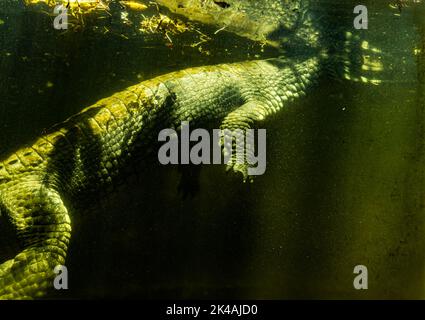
column 343, row 186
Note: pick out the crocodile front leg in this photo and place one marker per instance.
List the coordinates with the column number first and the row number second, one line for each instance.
column 271, row 93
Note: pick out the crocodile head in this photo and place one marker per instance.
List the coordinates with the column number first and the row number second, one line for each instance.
column 256, row 20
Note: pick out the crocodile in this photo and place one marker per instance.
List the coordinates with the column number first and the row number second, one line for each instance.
column 95, row 148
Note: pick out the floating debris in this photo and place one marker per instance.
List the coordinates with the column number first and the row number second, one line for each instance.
column 133, row 5
column 165, row 25
column 82, row 5
column 77, row 9
column 124, row 18
column 162, row 24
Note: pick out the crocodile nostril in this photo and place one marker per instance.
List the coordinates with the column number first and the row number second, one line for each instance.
column 222, row 4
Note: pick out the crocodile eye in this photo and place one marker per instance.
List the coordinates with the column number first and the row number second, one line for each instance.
column 222, row 4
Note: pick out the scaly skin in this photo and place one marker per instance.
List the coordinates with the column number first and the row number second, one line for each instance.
column 93, row 149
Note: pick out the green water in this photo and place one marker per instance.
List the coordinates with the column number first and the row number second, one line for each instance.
column 344, row 184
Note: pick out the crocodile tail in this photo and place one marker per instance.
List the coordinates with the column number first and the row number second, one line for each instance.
column 44, row 228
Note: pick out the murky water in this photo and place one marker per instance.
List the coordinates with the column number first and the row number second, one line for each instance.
column 344, row 184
